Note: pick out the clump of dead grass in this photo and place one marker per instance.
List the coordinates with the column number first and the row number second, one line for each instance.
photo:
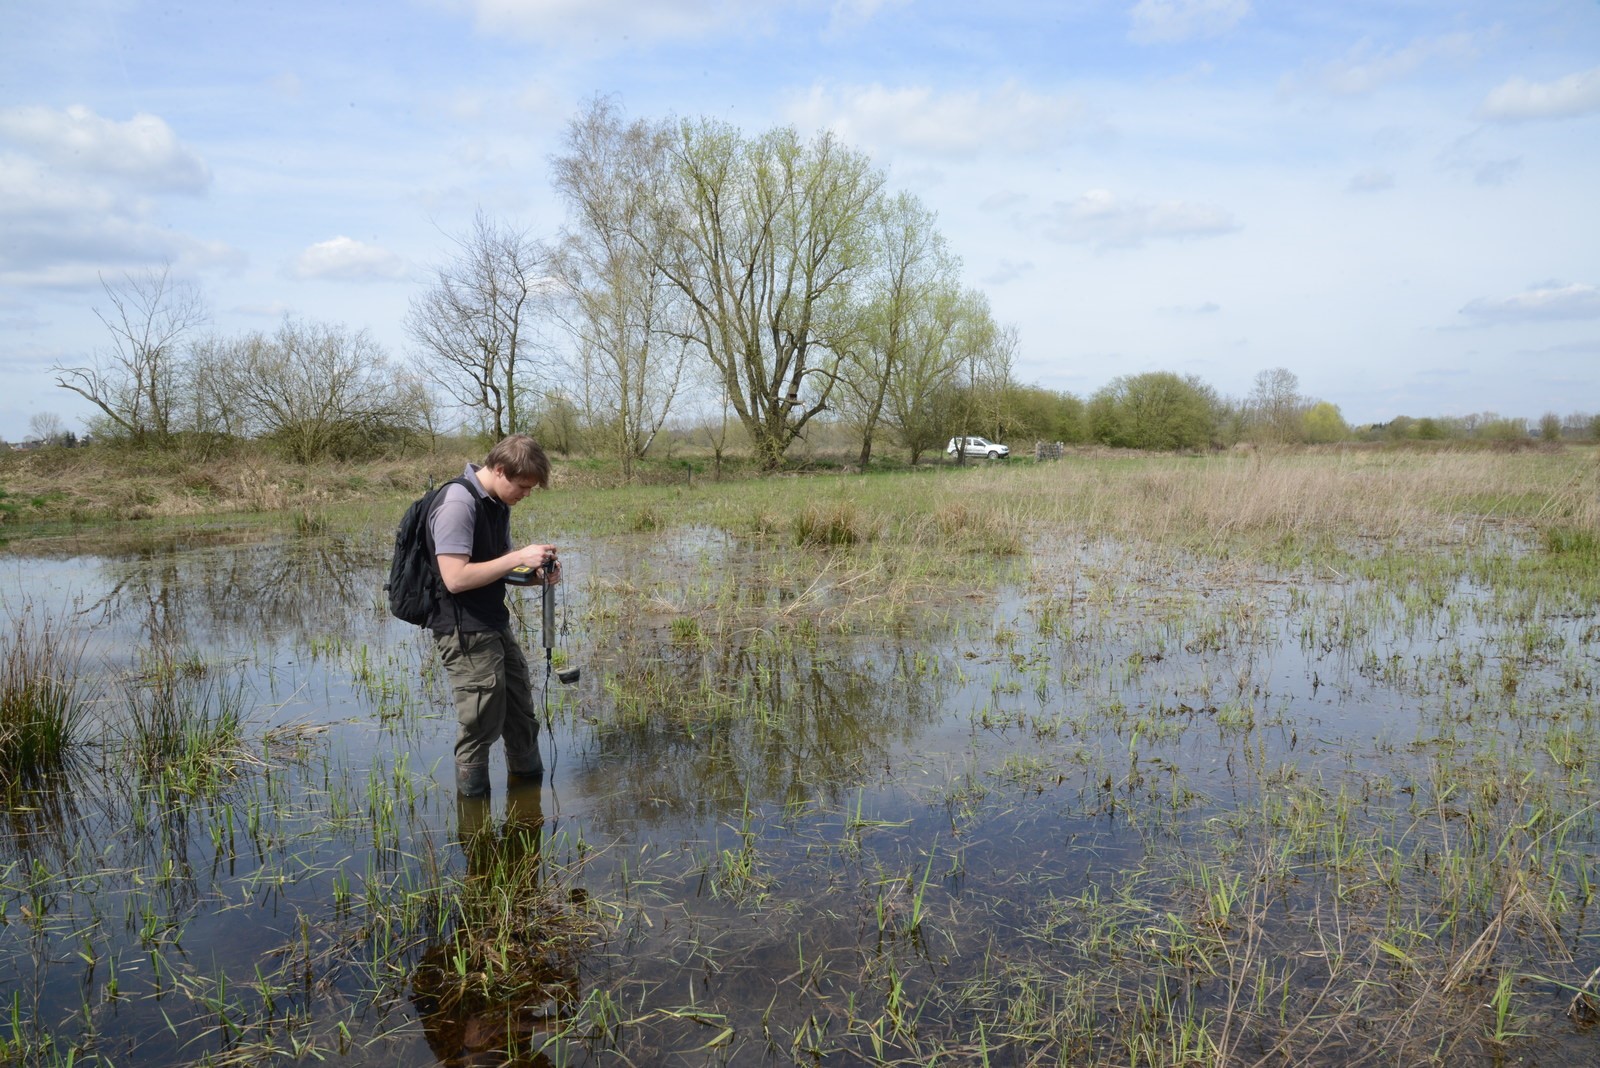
column 831, row 524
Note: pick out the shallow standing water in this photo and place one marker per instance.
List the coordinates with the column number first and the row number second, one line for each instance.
column 1107, row 807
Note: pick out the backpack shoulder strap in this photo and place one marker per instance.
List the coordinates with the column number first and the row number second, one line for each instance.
column 437, row 497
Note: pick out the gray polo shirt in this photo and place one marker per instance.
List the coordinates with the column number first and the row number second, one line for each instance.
column 455, row 515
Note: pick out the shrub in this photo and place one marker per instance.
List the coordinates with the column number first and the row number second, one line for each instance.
column 41, row 710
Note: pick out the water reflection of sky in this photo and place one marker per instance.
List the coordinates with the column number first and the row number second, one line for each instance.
column 1179, row 653
column 1020, row 734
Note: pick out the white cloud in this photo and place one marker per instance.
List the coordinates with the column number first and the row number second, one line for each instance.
column 1007, row 270
column 1465, row 154
column 143, row 150
column 603, row 23
column 1518, row 99
column 851, row 15
column 1545, row 301
column 1098, row 217
column 1367, row 67
column 1007, row 118
column 62, row 229
column 345, row 258
column 1169, row 21
column 31, row 192
column 1373, row 180
column 80, row 194
column 77, row 257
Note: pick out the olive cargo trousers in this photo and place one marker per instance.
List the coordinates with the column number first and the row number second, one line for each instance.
column 493, row 696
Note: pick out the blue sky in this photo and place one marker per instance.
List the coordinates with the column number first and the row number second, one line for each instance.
column 1395, row 201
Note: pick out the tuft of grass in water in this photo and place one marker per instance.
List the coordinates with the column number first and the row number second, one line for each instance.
column 309, row 522
column 41, row 710
column 686, row 630
column 508, row 967
column 184, row 720
column 962, row 527
column 1575, row 543
column 832, row 524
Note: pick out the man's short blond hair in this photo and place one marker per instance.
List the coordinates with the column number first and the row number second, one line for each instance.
column 520, row 458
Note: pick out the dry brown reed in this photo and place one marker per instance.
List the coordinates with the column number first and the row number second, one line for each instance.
column 1302, row 494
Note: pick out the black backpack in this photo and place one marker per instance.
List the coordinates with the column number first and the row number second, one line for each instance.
column 413, row 585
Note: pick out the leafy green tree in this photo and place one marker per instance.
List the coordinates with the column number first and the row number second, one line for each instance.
column 988, row 351
column 927, row 399
column 623, row 319
column 1156, row 410
column 1497, row 428
column 1033, row 413
column 1323, row 424
column 911, row 273
column 771, row 236
column 558, row 423
column 1550, row 427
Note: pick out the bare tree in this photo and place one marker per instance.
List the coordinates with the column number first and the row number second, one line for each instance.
column 628, row 341
column 214, row 412
column 1276, row 407
column 47, row 427
column 992, row 389
column 138, row 382
column 475, row 327
column 770, row 237
column 318, row 390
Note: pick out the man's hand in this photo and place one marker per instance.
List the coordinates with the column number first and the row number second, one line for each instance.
column 460, row 575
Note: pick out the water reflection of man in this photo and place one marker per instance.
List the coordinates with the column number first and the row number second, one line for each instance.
column 463, row 1022
column 471, row 531
column 512, row 847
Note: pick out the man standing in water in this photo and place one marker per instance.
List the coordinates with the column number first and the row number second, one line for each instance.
column 470, row 527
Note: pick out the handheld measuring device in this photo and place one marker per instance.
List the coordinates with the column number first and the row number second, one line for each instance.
column 523, row 575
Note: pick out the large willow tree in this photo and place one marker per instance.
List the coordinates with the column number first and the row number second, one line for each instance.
column 769, row 238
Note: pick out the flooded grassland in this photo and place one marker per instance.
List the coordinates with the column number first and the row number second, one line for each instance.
column 1267, row 760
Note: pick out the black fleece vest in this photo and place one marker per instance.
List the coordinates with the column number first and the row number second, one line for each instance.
column 484, row 608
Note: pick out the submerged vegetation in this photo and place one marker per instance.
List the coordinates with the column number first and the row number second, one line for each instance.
column 1276, row 758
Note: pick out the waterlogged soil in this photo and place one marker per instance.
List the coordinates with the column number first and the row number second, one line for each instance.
column 1097, row 804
